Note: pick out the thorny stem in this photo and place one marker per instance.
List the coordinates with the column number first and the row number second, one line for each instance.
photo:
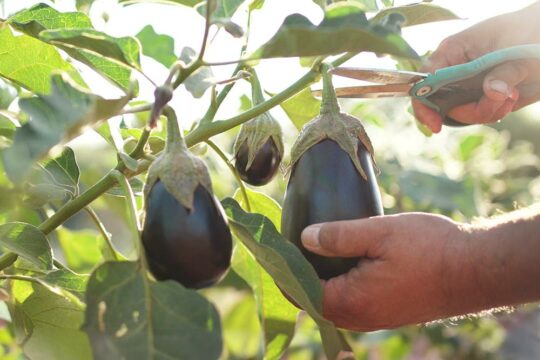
column 202, row 133
column 225, row 159
column 175, row 140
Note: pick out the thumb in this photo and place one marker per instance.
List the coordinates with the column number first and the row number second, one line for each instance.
column 500, row 83
column 347, row 238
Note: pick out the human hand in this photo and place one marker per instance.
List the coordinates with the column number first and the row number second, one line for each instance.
column 502, row 84
column 415, row 268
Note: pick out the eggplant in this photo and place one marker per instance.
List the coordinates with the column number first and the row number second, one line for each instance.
column 191, row 246
column 325, row 186
column 264, row 165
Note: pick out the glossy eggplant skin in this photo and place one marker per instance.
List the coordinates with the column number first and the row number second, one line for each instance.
column 263, row 168
column 325, row 186
column 192, row 247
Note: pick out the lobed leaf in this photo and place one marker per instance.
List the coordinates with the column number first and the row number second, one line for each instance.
column 285, row 264
column 54, row 119
column 198, row 82
column 125, row 50
column 47, row 322
column 31, row 63
column 42, row 17
column 344, row 28
column 157, row 46
column 278, row 315
column 128, row 316
column 28, row 242
column 302, row 107
column 420, row 13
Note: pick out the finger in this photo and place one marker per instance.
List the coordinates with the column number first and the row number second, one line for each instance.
column 427, row 116
column 484, row 111
column 348, row 238
column 500, row 83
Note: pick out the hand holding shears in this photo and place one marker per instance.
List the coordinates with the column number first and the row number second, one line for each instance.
column 444, row 90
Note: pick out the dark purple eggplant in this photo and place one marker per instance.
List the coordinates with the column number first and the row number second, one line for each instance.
column 193, row 246
column 264, row 166
column 325, row 186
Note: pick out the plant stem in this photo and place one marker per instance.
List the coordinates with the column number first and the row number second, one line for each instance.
column 136, row 109
column 213, row 108
column 132, row 207
column 7, row 260
column 225, row 159
column 202, row 133
column 102, row 231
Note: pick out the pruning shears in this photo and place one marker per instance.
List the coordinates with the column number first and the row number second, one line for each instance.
column 445, row 89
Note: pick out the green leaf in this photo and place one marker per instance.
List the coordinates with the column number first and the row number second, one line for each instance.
column 28, row 242
column 426, row 191
column 420, row 13
column 136, row 185
column 43, row 17
column 47, row 322
column 468, row 146
column 241, row 329
column 256, row 5
column 64, row 170
column 286, row 265
column 128, row 316
column 344, row 28
column 31, row 63
column 67, row 280
column 388, row 2
column 125, row 50
column 158, row 47
column 198, row 82
column 225, row 9
column 80, row 249
column 302, row 107
column 278, row 315
column 54, row 119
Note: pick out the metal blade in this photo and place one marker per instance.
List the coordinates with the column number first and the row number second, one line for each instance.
column 371, row 91
column 379, row 76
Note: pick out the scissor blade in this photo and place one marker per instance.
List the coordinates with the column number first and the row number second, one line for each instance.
column 371, row 91
column 379, row 76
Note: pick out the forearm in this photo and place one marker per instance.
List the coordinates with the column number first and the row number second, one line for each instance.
column 507, row 249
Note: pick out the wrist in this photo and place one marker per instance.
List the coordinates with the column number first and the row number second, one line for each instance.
column 505, row 251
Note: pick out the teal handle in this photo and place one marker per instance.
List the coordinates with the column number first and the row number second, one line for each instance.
column 426, row 90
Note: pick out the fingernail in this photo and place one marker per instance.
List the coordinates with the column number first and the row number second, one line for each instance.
column 500, row 87
column 310, row 236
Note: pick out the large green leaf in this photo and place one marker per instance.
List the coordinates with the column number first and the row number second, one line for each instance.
column 42, row 17
column 367, row 5
column 302, row 107
column 54, row 119
column 289, row 269
column 28, row 242
column 130, row 317
column 157, row 46
column 125, row 50
column 420, row 13
column 30, row 63
column 47, row 322
column 278, row 315
column 241, row 329
column 344, row 28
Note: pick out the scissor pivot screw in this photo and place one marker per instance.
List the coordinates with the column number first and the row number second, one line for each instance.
column 424, row 90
